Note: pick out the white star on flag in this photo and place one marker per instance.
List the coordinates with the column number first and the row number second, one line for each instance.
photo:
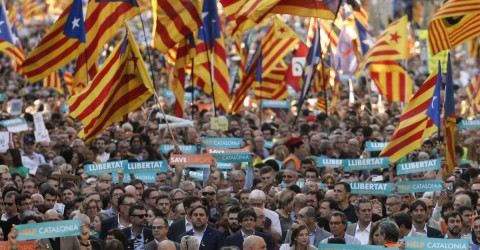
column 1, row 23
column 75, row 23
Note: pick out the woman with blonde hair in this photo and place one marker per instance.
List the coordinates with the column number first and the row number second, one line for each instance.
column 285, row 207
column 90, row 208
column 66, row 168
column 300, row 239
column 189, row 242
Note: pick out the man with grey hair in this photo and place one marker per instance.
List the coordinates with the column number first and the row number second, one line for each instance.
column 361, row 228
column 176, row 196
column 309, row 216
column 254, row 242
column 257, row 198
column 187, row 186
column 338, row 227
column 392, row 205
column 238, row 180
column 461, row 199
column 389, row 233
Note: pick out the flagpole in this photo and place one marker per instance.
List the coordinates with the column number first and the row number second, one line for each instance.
column 212, row 77
column 149, row 56
column 193, row 87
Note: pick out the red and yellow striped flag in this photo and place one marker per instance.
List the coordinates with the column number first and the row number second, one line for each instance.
column 450, row 119
column 232, row 7
column 273, row 86
column 305, row 8
column 278, row 41
column 335, row 96
column 173, row 20
column 472, row 86
column 454, row 23
column 392, row 81
column 121, row 86
column 321, row 104
column 16, row 53
column 33, row 8
column 68, row 78
column 63, row 42
column 415, row 125
column 182, row 61
column 53, row 81
column 104, row 19
column 390, row 45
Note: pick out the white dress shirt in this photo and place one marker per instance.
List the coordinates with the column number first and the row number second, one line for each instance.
column 363, row 236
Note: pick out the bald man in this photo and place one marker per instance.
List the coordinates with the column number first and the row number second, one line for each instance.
column 166, row 245
column 131, row 189
column 253, row 242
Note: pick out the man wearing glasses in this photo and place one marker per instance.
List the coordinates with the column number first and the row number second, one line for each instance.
column 159, row 230
column 137, row 235
column 392, row 205
column 125, row 201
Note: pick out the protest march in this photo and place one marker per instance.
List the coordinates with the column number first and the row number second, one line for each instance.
column 239, row 124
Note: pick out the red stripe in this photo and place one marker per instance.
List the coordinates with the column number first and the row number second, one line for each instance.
column 403, row 86
column 45, row 66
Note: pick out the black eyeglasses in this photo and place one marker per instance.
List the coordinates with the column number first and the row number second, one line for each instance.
column 141, row 216
column 208, row 193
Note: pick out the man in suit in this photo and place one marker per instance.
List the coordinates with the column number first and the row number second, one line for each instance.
column 309, row 216
column 418, row 211
column 159, row 229
column 361, row 228
column 208, row 237
column 137, row 235
column 70, row 242
column 184, row 225
column 248, row 219
column 125, row 201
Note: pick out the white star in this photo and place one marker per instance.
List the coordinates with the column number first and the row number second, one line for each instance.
column 75, row 23
column 433, row 100
column 368, row 42
column 1, row 23
column 204, row 14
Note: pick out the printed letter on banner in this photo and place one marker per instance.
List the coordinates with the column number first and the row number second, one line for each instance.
column 365, row 164
column 47, row 230
column 371, row 188
column 214, row 142
column 375, row 146
column 180, row 160
column 419, row 186
column 106, row 167
column 417, row 243
column 418, row 166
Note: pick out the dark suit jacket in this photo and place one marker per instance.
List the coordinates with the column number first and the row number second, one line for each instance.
column 147, row 237
column 237, row 240
column 212, row 238
column 70, row 242
column 433, row 233
column 107, row 224
column 177, row 228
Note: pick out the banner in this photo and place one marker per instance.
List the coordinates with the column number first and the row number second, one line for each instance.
column 233, row 157
column 219, row 123
column 180, row 160
column 413, row 243
column 186, row 149
column 213, row 142
column 105, row 168
column 470, row 124
column 329, row 162
column 375, row 146
column 268, row 144
column 418, row 166
column 21, row 245
column 366, row 164
column 220, row 165
column 15, row 125
column 371, row 188
column 146, row 177
column 351, row 247
column 47, row 230
column 227, row 150
column 146, row 167
column 404, row 187
column 275, row 104
column 4, row 141
column 38, row 121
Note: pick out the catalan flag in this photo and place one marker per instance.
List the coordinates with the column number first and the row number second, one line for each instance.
column 335, row 96
column 454, row 23
column 6, row 37
column 415, row 125
column 278, row 41
column 392, row 81
column 68, row 79
column 473, row 86
column 53, row 81
column 103, row 20
column 173, row 20
column 450, row 119
column 321, row 104
column 313, row 60
column 390, row 45
column 32, row 8
column 120, row 87
column 16, row 53
column 305, row 8
column 183, row 59
column 210, row 61
column 241, row 21
column 63, row 42
column 232, row 7
column 273, row 86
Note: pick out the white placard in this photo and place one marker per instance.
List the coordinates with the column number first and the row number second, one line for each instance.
column 4, row 141
column 16, row 107
column 42, row 136
column 38, row 121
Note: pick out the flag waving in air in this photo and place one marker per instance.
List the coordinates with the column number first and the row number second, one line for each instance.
column 63, row 42
column 120, row 87
column 450, row 119
column 6, row 37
